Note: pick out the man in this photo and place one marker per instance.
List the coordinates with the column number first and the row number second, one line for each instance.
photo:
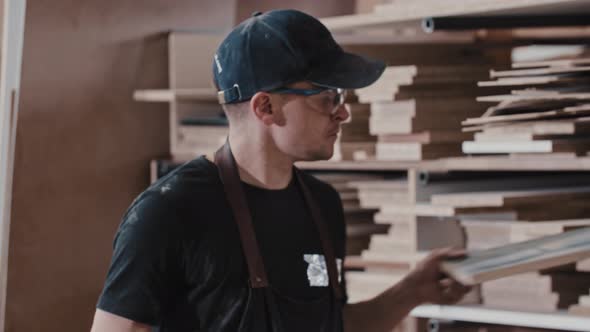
column 244, row 241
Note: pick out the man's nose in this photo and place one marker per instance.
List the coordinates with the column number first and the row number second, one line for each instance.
column 342, row 114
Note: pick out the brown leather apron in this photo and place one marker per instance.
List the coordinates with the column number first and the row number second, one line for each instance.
column 270, row 311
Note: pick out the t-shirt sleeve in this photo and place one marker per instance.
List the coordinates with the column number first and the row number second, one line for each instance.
column 138, row 282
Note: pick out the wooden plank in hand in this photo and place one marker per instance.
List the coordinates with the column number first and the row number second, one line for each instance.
column 520, row 257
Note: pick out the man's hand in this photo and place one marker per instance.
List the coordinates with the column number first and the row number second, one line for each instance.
column 431, row 284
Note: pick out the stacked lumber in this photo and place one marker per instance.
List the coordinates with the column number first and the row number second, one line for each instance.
column 545, row 291
column 416, row 110
column 536, row 291
column 200, row 136
column 582, row 307
column 359, row 220
column 583, row 265
column 547, row 113
column 516, row 205
column 393, row 255
column 435, row 325
column 374, row 194
column 355, row 142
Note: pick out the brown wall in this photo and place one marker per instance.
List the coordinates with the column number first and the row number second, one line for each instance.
column 83, row 145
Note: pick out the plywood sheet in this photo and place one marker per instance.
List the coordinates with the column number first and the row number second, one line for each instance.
column 521, row 257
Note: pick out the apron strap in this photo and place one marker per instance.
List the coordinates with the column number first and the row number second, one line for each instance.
column 230, row 177
column 325, row 238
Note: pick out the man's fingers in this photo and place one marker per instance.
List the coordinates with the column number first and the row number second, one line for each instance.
column 446, row 253
column 452, row 291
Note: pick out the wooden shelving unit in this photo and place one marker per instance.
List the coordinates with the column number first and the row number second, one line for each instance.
column 561, row 321
column 476, row 163
column 407, row 14
column 412, row 12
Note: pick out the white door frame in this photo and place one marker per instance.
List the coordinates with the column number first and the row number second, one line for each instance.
column 13, row 26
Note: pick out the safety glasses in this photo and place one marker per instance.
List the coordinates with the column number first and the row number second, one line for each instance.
column 326, row 100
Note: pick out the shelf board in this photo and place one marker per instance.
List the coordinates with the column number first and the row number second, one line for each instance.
column 166, row 95
column 372, row 165
column 468, row 163
column 412, row 12
column 509, row 163
column 480, row 314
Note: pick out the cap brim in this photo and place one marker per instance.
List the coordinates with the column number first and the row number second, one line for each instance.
column 347, row 71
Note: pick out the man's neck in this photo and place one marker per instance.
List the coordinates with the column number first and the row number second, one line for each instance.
column 261, row 164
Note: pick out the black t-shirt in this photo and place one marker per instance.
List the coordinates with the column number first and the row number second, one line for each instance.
column 178, row 265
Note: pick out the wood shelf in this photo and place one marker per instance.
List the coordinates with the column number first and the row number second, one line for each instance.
column 413, row 12
column 357, row 165
column 478, row 163
column 480, row 314
column 166, row 95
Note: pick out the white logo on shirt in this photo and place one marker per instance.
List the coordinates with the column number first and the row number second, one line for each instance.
column 317, row 271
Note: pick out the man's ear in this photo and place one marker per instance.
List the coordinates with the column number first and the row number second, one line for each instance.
column 262, row 107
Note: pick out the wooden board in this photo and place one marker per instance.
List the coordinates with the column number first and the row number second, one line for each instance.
column 420, row 235
column 358, row 262
column 578, row 145
column 573, row 126
column 579, row 310
column 190, row 57
column 545, row 96
column 583, row 265
column 549, row 303
column 426, row 137
column 534, row 81
column 375, row 194
column 509, row 137
column 416, row 151
column 417, row 10
column 538, row 71
column 430, row 210
column 527, row 106
column 521, row 257
column 466, row 71
column 553, row 63
column 427, row 106
column 407, row 125
column 206, row 95
column 451, row 90
column 354, row 151
column 431, row 54
column 573, row 111
column 535, row 283
column 510, row 198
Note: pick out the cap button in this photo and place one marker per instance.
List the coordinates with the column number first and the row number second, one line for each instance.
column 254, row 14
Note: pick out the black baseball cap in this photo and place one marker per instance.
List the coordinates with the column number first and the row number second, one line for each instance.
column 280, row 47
